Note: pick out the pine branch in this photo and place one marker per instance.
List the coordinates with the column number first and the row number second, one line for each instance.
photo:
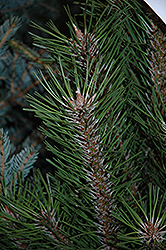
column 158, row 62
column 106, row 135
column 147, row 220
column 47, row 219
column 82, row 114
column 75, row 119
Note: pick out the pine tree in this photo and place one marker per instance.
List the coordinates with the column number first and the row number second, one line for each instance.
column 104, row 117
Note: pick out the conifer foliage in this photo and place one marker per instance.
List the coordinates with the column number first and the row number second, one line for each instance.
column 18, row 61
column 103, row 115
column 12, row 165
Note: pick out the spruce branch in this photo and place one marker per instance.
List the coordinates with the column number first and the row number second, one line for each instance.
column 10, row 26
column 12, row 165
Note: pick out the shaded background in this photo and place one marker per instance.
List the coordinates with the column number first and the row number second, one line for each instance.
column 18, row 62
column 39, row 11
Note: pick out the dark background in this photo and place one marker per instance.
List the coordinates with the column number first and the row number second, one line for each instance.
column 17, row 68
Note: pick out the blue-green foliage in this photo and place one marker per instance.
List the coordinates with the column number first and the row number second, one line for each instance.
column 6, row 4
column 12, row 165
column 17, row 65
column 18, row 62
column 11, row 25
